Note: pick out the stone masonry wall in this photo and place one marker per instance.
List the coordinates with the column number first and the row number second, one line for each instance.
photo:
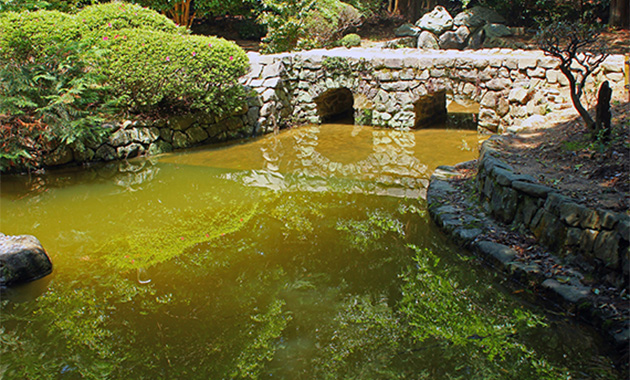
column 513, row 87
column 596, row 240
column 133, row 138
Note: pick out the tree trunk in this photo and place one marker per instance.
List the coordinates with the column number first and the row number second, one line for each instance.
column 575, row 98
column 619, row 13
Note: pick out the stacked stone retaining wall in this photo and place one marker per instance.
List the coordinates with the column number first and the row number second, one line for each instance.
column 150, row 137
column 595, row 240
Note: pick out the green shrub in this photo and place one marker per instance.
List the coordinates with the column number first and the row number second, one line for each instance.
column 350, row 40
column 29, row 35
column 305, row 23
column 34, row 5
column 48, row 96
column 61, row 76
column 149, row 69
column 116, row 16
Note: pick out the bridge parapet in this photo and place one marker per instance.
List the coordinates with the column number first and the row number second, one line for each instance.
column 390, row 86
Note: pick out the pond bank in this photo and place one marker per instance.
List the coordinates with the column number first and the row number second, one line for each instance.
column 501, row 216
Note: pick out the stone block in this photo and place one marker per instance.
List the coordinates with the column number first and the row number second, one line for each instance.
column 166, row 134
column 529, row 208
column 510, row 63
column 527, row 63
column 520, row 95
column 531, row 189
column 497, row 31
column 568, row 293
column 609, row 219
column 571, row 213
column 428, row 40
column 272, row 70
column 452, row 40
column 488, row 119
column 607, row 249
column 554, row 201
column 497, row 252
column 573, row 236
column 196, row 134
column 623, row 228
column 393, row 63
column 590, row 219
column 181, row 123
column 105, row 152
column 586, row 241
column 159, row 147
column 537, row 72
column 180, row 140
column 614, row 77
column 498, row 84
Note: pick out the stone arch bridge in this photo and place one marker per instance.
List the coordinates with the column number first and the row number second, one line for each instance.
column 410, row 87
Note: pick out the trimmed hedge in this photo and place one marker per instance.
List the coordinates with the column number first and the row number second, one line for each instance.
column 29, row 35
column 145, row 59
column 148, row 68
column 116, row 16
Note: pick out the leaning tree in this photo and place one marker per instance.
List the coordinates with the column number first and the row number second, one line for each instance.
column 580, row 51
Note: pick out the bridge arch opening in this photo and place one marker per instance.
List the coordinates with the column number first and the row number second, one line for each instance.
column 336, row 105
column 463, row 111
column 430, row 109
column 442, row 108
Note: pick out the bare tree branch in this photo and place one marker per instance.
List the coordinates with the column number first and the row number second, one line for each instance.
column 580, row 52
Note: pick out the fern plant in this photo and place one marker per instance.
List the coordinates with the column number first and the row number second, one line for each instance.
column 46, row 102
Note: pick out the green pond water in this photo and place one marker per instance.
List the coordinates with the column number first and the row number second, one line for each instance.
column 304, row 255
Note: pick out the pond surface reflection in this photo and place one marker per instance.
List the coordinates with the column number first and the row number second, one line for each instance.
column 304, row 255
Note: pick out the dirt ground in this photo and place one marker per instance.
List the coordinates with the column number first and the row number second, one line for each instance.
column 565, row 156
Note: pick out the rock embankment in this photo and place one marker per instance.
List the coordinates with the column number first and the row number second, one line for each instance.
column 573, row 256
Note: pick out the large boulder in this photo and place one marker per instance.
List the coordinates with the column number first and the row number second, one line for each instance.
column 407, row 30
column 478, row 16
column 437, row 21
column 428, row 40
column 497, row 31
column 22, row 259
column 455, row 39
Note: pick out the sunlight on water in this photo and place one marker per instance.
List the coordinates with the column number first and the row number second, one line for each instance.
column 304, row 255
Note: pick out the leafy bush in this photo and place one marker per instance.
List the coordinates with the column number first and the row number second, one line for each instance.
column 305, row 23
column 368, row 8
column 329, row 19
column 116, row 16
column 47, row 94
column 151, row 68
column 61, row 75
column 30, row 35
column 34, row 5
column 350, row 40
